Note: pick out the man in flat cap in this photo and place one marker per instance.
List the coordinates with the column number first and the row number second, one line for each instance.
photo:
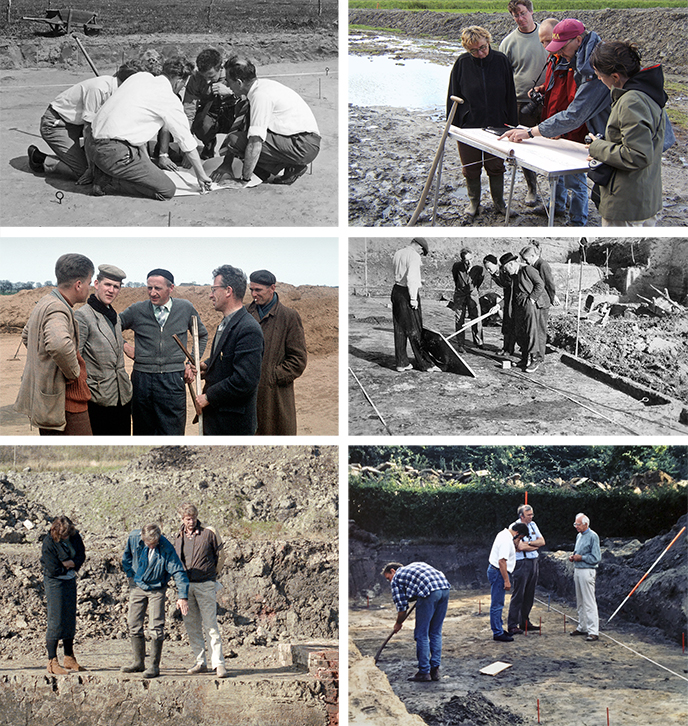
column 232, row 372
column 284, row 358
column 102, row 347
column 159, row 402
column 406, row 310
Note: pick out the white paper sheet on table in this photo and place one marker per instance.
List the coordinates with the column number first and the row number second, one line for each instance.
column 187, row 184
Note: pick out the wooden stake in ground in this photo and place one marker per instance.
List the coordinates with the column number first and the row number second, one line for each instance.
column 197, row 364
column 440, row 151
column 583, row 243
column 86, row 55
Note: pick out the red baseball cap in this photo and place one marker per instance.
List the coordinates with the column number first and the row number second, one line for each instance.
column 563, row 32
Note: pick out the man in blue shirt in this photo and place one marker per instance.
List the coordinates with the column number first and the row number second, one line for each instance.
column 149, row 560
column 586, row 557
column 525, row 574
column 430, row 589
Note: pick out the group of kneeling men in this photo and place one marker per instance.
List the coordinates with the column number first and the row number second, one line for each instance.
column 127, row 121
column 75, row 382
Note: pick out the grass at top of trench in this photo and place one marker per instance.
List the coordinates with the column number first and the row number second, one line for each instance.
column 74, row 459
column 498, row 6
column 126, row 17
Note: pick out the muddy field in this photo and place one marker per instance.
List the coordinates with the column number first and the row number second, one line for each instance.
column 391, row 149
column 574, row 682
column 34, row 72
column 276, row 509
column 316, row 389
column 633, row 343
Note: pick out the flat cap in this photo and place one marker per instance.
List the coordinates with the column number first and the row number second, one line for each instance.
column 263, row 277
column 112, row 272
column 162, row 273
column 423, row 243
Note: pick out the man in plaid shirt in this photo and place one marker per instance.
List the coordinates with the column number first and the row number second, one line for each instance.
column 430, row 589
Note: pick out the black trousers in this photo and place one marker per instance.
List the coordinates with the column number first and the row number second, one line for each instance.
column 408, row 327
column 110, row 420
column 523, row 581
column 526, row 329
column 159, row 404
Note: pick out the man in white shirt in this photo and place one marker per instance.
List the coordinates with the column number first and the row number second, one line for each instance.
column 502, row 562
column 406, row 311
column 68, row 119
column 129, row 120
column 282, row 133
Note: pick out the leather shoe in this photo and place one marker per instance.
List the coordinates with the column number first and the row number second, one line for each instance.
column 503, row 638
column 435, row 673
column 530, row 626
column 291, row 174
column 420, row 677
column 590, row 638
column 35, row 160
column 198, row 668
column 515, row 631
column 577, row 632
column 402, row 369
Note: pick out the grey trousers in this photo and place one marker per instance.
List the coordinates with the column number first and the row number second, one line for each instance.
column 153, row 601
column 278, row 151
column 65, row 140
column 201, row 621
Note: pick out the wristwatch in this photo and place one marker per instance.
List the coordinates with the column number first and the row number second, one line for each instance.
column 530, row 133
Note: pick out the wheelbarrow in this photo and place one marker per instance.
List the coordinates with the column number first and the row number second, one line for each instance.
column 65, row 20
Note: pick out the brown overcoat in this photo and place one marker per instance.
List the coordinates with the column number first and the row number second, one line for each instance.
column 51, row 337
column 284, row 360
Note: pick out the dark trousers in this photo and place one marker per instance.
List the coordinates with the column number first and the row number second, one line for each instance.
column 129, row 170
column 523, row 581
column 473, row 161
column 159, row 404
column 542, row 318
column 78, row 424
column 65, row 141
column 468, row 306
column 110, row 420
column 278, row 151
column 526, row 329
column 408, row 327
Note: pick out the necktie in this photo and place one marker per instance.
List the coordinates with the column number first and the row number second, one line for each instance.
column 160, row 314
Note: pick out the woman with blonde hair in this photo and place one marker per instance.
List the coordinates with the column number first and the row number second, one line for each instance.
column 62, row 555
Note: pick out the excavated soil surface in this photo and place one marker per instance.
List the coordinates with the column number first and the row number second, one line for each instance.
column 575, row 682
column 391, row 149
column 316, row 389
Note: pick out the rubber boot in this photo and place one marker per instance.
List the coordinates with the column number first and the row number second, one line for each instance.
column 532, row 199
column 497, row 192
column 55, row 668
column 153, row 670
column 71, row 664
column 473, row 190
column 138, row 647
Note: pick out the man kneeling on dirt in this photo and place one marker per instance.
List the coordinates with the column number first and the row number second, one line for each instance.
column 202, row 553
column 149, row 561
column 281, row 134
column 430, row 589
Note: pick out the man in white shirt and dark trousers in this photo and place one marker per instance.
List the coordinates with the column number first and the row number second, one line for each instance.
column 407, row 315
column 125, row 124
column 502, row 562
column 525, row 574
column 282, row 132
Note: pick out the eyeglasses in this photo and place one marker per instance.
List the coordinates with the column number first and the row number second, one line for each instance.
column 479, row 49
column 218, row 287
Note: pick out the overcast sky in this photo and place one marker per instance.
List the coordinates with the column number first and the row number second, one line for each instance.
column 296, row 261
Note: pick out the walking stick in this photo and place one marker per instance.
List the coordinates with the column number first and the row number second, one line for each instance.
column 647, row 573
column 419, row 208
column 197, row 364
column 494, row 309
column 389, row 637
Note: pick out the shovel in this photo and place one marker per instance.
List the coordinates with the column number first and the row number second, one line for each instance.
column 377, row 655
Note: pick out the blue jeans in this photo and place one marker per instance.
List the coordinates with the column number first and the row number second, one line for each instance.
column 497, row 601
column 430, row 612
column 579, row 197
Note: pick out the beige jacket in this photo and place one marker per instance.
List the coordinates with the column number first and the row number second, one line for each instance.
column 102, row 349
column 51, row 337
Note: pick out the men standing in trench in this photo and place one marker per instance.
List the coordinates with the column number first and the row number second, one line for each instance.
column 407, row 315
column 159, row 403
column 586, row 557
column 102, row 347
column 284, row 358
column 525, row 574
column 149, row 560
column 466, row 301
column 201, row 551
column 502, row 562
column 53, row 392
column 430, row 589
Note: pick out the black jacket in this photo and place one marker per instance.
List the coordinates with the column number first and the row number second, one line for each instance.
column 52, row 555
column 232, row 377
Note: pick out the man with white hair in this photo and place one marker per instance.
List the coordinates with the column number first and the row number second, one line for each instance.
column 586, row 558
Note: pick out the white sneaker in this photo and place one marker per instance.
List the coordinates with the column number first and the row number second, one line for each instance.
column 402, row 369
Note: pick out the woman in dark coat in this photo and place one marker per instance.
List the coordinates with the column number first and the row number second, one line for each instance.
column 62, row 555
column 484, row 79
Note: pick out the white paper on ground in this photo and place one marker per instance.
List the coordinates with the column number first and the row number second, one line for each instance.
column 187, row 185
column 495, row 668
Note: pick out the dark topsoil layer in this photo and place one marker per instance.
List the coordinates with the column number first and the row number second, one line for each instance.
column 275, row 507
